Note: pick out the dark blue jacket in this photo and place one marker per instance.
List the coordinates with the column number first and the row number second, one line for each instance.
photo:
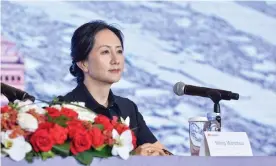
column 118, row 106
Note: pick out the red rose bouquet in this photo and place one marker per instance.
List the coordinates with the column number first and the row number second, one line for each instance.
column 29, row 131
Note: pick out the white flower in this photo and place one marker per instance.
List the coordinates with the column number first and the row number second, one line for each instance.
column 16, row 148
column 56, row 106
column 82, row 104
column 87, row 116
column 74, row 105
column 126, row 121
column 22, row 103
column 27, row 122
column 37, row 109
column 25, row 106
column 83, row 113
column 123, row 144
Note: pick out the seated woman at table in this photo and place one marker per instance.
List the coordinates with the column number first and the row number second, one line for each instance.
column 97, row 52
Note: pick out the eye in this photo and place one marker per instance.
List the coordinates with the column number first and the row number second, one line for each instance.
column 105, row 52
column 120, row 51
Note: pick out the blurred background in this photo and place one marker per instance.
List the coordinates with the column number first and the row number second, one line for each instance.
column 225, row 45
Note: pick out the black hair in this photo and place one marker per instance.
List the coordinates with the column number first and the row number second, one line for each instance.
column 83, row 41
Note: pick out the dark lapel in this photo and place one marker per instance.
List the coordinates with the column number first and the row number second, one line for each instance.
column 80, row 93
column 124, row 106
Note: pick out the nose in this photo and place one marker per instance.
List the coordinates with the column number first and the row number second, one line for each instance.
column 114, row 59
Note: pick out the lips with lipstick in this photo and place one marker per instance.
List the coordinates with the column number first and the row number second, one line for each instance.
column 115, row 70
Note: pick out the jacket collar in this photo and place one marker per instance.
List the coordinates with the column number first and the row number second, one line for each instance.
column 81, row 93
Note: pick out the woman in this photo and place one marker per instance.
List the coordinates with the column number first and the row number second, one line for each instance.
column 97, row 62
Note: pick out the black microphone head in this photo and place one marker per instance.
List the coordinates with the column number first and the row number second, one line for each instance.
column 235, row 96
column 178, row 88
column 13, row 93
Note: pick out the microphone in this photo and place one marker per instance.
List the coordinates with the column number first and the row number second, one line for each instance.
column 180, row 89
column 13, row 93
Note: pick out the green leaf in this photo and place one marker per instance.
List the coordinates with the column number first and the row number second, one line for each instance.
column 100, row 148
column 63, row 150
column 31, row 155
column 104, row 152
column 132, row 153
column 55, row 100
column 61, row 120
column 13, row 105
column 46, row 155
column 85, row 157
column 99, row 126
column 49, row 118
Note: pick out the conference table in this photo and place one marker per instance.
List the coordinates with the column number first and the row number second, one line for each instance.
column 153, row 161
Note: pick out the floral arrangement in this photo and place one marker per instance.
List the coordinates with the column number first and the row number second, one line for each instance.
column 65, row 129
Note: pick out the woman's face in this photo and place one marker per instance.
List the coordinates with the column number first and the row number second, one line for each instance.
column 105, row 61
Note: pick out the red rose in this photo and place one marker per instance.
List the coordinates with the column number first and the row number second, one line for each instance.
column 75, row 122
column 41, row 141
column 74, row 126
column 5, row 109
column 114, row 120
column 110, row 141
column 80, row 142
column 53, row 112
column 59, row 134
column 101, row 119
column 120, row 128
column 97, row 137
column 45, row 125
column 108, row 137
column 68, row 113
column 107, row 133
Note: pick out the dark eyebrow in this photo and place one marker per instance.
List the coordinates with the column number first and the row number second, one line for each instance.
column 107, row 46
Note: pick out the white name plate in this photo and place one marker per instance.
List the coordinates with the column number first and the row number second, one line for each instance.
column 225, row 144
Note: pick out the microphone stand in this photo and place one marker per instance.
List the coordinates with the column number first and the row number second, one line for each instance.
column 215, row 96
